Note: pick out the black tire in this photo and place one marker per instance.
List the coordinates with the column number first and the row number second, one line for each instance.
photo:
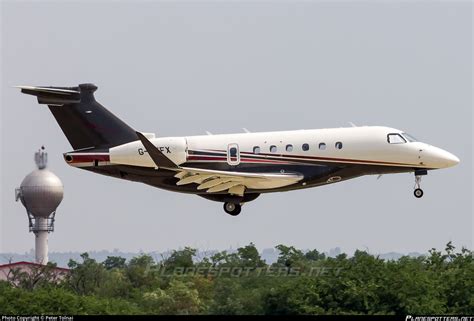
column 232, row 208
column 418, row 193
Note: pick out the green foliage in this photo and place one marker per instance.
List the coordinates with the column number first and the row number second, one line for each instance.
column 38, row 276
column 298, row 283
column 180, row 259
column 140, row 271
column 289, row 257
column 244, row 257
column 86, row 277
column 58, row 300
column 179, row 298
column 226, row 299
column 248, row 256
column 314, row 255
column 300, row 296
column 114, row 262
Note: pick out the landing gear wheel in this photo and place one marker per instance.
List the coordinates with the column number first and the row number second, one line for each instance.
column 232, row 208
column 418, row 193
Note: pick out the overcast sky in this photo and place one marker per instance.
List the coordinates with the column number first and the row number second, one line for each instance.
column 183, row 68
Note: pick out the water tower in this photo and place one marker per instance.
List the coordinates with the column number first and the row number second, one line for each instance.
column 40, row 192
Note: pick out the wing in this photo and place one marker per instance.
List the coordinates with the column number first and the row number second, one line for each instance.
column 214, row 181
column 235, row 183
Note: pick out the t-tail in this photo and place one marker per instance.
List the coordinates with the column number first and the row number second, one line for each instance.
column 87, row 124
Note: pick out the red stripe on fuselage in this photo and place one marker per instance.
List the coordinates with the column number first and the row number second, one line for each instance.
column 88, row 158
column 224, row 159
column 332, row 159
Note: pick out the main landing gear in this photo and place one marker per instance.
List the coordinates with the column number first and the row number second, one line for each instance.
column 232, row 208
column 418, row 192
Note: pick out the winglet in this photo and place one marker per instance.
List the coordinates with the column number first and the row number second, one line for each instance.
column 156, row 155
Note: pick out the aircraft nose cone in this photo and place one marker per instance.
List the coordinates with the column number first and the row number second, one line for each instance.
column 443, row 159
column 450, row 159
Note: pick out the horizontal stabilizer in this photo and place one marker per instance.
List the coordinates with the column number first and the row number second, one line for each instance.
column 84, row 121
column 53, row 95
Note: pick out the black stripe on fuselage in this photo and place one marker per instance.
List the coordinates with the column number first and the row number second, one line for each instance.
column 296, row 159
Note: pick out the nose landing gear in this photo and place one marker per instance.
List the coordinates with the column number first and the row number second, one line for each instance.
column 232, row 208
column 418, row 192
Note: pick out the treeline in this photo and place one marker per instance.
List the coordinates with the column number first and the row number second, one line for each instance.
column 242, row 283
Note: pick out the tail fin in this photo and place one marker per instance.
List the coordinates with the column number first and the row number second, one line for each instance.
column 85, row 122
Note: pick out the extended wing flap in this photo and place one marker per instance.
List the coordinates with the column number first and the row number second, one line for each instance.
column 181, row 175
column 222, row 187
column 198, row 179
column 237, row 190
column 214, row 181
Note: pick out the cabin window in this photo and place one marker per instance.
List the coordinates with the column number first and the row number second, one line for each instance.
column 289, row 148
column 395, row 139
column 322, row 146
column 273, row 149
column 338, row 145
column 305, row 147
column 233, row 152
column 256, row 150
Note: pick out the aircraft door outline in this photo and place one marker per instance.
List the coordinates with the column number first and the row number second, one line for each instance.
column 233, row 154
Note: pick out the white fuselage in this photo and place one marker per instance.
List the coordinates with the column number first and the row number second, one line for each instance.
column 353, row 145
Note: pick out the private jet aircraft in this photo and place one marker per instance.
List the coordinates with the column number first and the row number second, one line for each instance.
column 234, row 168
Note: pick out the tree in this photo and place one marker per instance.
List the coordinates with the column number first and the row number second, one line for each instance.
column 249, row 257
column 438, row 283
column 59, row 300
column 86, row 277
column 226, row 300
column 178, row 298
column 298, row 296
column 181, row 259
column 116, row 285
column 289, row 256
column 36, row 276
column 140, row 271
column 314, row 255
column 114, row 262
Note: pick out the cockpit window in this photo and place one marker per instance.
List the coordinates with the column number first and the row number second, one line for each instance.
column 395, row 139
column 409, row 137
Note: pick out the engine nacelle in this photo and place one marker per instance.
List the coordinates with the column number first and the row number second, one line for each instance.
column 135, row 153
